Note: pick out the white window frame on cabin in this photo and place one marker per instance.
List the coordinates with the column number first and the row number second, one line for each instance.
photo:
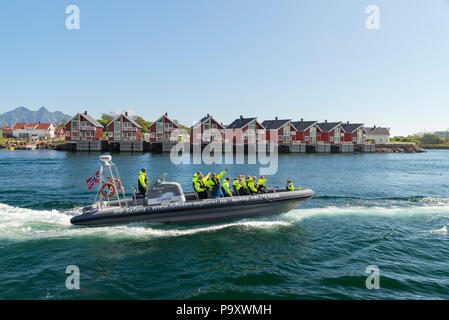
column 152, row 135
column 331, row 138
column 159, row 127
column 306, row 138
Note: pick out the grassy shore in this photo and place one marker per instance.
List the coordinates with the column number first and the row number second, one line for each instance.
column 435, row 146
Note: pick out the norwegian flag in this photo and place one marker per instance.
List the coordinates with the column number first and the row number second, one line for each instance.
column 93, row 180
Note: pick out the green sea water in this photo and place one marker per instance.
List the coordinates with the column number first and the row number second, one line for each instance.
column 388, row 210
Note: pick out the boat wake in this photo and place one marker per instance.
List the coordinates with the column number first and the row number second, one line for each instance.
column 442, row 230
column 22, row 224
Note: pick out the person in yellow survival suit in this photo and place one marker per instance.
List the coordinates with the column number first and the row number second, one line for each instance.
column 225, row 187
column 261, row 185
column 290, row 186
column 214, row 184
column 251, row 187
column 142, row 183
column 237, row 184
column 200, row 186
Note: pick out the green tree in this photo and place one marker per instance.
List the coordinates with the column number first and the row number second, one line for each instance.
column 430, row 139
column 105, row 119
column 144, row 124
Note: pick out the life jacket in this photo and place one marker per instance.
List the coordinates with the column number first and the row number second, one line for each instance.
column 213, row 184
column 251, row 186
column 198, row 185
column 237, row 185
column 225, row 187
column 290, row 187
column 195, row 177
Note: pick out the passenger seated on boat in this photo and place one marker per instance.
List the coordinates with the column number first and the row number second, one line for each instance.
column 261, row 185
column 225, row 187
column 214, row 184
column 200, row 187
column 236, row 186
column 251, row 187
column 239, row 187
column 290, row 186
column 244, row 183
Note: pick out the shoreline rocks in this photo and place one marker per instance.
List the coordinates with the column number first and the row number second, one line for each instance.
column 399, row 148
column 20, row 144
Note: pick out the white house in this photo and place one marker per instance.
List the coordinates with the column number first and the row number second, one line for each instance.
column 33, row 130
column 378, row 135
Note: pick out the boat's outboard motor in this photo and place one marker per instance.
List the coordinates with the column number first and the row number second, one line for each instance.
column 165, row 192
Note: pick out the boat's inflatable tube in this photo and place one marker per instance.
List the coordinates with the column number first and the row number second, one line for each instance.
column 179, row 210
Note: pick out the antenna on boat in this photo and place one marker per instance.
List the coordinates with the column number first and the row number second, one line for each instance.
column 110, row 183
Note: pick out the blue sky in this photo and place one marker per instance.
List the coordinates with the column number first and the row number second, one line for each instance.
column 289, row 58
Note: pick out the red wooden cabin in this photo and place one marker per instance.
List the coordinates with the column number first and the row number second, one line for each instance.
column 83, row 127
column 124, row 128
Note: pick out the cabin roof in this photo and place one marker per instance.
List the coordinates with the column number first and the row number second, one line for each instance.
column 127, row 118
column 275, row 124
column 303, row 125
column 88, row 118
column 240, row 123
column 43, row 126
column 328, row 126
column 377, row 130
column 351, row 127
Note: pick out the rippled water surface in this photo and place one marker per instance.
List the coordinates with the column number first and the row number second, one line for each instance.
column 389, row 210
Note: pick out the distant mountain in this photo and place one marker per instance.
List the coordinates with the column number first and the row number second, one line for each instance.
column 22, row 114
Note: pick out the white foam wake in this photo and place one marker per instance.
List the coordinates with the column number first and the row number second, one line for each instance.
column 300, row 214
column 27, row 224
column 442, row 230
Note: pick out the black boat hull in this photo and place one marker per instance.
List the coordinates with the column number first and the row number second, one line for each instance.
column 200, row 211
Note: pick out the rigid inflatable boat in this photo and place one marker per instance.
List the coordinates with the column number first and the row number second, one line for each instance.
column 167, row 203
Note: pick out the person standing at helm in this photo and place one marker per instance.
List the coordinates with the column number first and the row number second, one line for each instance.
column 142, row 183
column 225, row 187
column 290, row 186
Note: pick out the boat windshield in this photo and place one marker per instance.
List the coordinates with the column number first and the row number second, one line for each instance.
column 158, row 180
